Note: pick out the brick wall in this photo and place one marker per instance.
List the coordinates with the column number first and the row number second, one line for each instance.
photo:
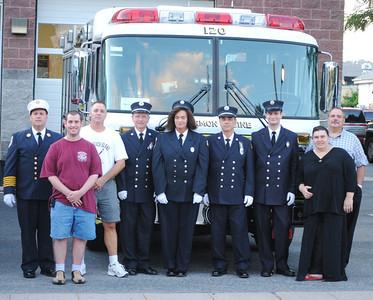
column 19, row 50
column 18, row 70
column 323, row 18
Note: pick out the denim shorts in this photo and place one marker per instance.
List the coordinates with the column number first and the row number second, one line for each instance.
column 68, row 221
column 108, row 203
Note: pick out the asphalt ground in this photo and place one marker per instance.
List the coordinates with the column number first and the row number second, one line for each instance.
column 198, row 284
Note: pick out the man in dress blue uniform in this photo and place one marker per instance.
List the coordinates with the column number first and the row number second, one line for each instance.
column 230, row 190
column 135, row 186
column 22, row 186
column 276, row 157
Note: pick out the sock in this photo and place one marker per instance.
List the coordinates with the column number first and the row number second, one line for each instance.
column 113, row 259
column 60, row 267
column 75, row 267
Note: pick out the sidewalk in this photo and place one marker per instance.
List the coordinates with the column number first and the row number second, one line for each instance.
column 199, row 296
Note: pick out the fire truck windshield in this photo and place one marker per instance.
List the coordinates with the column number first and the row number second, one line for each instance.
column 162, row 70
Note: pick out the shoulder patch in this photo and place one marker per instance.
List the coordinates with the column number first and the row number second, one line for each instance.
column 11, row 142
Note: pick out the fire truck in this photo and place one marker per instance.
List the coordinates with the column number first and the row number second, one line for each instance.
column 208, row 56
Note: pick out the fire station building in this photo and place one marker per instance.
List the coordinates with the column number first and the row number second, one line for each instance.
column 32, row 58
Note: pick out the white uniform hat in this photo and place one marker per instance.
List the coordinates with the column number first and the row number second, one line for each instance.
column 37, row 104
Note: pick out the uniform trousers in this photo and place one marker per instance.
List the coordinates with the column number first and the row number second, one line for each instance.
column 352, row 220
column 177, row 221
column 34, row 221
column 136, row 229
column 235, row 216
column 276, row 218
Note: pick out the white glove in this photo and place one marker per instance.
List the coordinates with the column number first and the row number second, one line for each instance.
column 206, row 200
column 10, row 200
column 161, row 198
column 290, row 198
column 248, row 200
column 122, row 195
column 197, row 199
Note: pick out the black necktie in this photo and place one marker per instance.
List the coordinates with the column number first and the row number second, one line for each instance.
column 40, row 140
column 273, row 139
column 141, row 139
column 181, row 139
column 227, row 145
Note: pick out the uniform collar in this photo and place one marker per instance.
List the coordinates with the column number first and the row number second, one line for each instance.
column 34, row 132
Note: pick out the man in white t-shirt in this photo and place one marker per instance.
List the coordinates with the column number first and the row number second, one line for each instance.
column 112, row 152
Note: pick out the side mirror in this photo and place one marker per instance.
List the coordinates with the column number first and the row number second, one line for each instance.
column 329, row 86
column 80, row 76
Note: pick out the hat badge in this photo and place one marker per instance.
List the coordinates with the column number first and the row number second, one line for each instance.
column 141, row 103
column 272, row 102
column 226, row 107
column 182, row 102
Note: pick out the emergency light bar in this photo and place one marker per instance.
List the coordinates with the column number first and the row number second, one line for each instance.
column 136, row 15
column 285, row 22
column 193, row 16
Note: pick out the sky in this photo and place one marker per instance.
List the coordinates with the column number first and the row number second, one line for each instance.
column 357, row 44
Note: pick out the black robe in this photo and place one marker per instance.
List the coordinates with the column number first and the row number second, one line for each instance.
column 324, row 238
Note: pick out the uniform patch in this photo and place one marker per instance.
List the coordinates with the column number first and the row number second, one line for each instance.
column 82, row 156
column 241, row 148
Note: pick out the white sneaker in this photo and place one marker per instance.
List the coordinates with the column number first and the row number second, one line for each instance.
column 83, row 269
column 116, row 269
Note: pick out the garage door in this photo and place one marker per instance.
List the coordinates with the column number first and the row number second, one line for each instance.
column 56, row 17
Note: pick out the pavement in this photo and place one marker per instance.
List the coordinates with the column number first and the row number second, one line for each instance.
column 197, row 296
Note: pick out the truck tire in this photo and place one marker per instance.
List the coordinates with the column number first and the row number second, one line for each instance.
column 369, row 148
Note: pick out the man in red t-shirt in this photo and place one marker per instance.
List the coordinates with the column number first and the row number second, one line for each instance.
column 72, row 165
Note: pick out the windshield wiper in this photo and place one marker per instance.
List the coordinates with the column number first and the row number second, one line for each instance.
column 193, row 100
column 242, row 101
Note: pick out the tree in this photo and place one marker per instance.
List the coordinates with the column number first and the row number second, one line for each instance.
column 350, row 101
column 361, row 17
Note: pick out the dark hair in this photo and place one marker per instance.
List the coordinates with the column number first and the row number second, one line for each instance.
column 320, row 128
column 74, row 113
column 191, row 124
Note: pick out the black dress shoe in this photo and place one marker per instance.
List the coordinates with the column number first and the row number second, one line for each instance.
column 48, row 272
column 243, row 274
column 287, row 272
column 218, row 272
column 148, row 271
column 181, row 274
column 132, row 271
column 266, row 273
column 29, row 274
column 171, row 273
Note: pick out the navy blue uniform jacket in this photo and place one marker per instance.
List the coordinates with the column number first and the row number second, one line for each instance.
column 23, row 164
column 231, row 173
column 180, row 171
column 275, row 167
column 136, row 178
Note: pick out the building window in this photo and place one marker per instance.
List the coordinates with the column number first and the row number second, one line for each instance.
column 49, row 66
column 49, row 57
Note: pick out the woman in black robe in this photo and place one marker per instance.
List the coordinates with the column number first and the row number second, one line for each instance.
column 327, row 182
